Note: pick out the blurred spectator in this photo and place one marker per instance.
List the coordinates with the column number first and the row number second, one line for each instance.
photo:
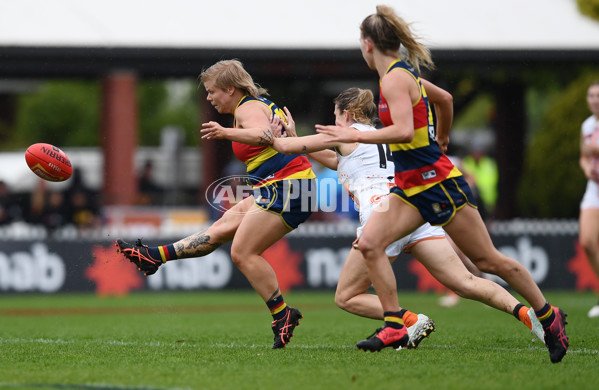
column 10, row 210
column 47, row 207
column 54, row 211
column 483, row 170
column 471, row 180
column 82, row 211
column 77, row 183
column 81, row 208
column 148, row 192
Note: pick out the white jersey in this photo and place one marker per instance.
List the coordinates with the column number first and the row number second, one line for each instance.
column 367, row 174
column 590, row 133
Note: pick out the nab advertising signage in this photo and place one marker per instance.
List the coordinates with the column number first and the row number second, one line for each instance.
column 301, row 261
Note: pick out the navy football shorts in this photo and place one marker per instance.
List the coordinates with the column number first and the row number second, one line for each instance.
column 292, row 199
column 438, row 204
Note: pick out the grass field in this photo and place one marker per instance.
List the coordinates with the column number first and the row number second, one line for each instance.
column 208, row 340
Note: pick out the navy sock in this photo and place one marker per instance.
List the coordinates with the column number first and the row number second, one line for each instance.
column 393, row 319
column 546, row 315
column 516, row 311
column 277, row 307
column 163, row 253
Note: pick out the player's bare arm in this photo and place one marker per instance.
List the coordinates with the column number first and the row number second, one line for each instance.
column 443, row 102
column 252, row 126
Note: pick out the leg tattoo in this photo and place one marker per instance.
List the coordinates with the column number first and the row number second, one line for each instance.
column 196, row 245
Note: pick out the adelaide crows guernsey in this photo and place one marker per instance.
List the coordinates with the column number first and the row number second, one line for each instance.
column 419, row 164
column 264, row 164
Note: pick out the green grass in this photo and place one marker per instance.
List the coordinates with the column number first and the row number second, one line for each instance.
column 208, row 340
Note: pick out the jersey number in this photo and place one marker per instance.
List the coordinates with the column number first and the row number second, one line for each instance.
column 384, row 155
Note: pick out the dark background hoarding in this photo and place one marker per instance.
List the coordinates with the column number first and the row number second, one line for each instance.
column 300, row 261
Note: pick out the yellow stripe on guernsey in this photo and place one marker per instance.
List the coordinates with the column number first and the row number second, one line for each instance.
column 305, row 174
column 420, row 140
column 261, row 157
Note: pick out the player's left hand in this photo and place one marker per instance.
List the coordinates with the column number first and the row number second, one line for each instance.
column 338, row 133
column 276, row 126
column 443, row 143
column 290, row 125
column 213, row 130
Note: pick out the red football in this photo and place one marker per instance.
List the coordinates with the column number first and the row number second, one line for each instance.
column 48, row 162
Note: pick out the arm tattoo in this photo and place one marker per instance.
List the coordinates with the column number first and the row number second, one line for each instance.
column 197, row 245
column 304, row 148
column 266, row 139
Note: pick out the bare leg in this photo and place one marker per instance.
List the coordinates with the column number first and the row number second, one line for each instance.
column 258, row 231
column 450, row 298
column 443, row 263
column 220, row 232
column 440, row 260
column 470, row 234
column 353, row 283
column 589, row 236
column 392, row 219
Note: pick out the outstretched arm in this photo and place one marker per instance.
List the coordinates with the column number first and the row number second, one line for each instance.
column 399, row 89
column 315, row 147
column 252, row 136
column 253, row 126
column 300, row 145
column 328, row 158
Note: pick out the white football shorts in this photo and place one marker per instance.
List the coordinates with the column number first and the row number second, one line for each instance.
column 404, row 244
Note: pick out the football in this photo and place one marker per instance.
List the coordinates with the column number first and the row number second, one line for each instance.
column 48, row 162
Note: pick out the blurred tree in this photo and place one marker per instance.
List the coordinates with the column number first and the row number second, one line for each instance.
column 589, row 8
column 552, row 183
column 160, row 107
column 67, row 113
column 64, row 113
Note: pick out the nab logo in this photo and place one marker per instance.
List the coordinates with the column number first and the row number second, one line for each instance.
column 38, row 269
column 534, row 258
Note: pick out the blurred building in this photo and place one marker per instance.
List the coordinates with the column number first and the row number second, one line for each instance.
column 310, row 57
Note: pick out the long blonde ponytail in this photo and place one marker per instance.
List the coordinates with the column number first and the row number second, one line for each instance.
column 388, row 32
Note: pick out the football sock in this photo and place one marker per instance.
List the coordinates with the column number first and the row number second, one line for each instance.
column 393, row 319
column 521, row 313
column 408, row 317
column 164, row 252
column 546, row 315
column 277, row 307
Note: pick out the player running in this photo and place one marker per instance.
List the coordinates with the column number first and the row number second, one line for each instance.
column 429, row 188
column 366, row 171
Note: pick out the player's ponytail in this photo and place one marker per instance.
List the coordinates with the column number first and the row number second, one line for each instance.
column 388, row 32
column 359, row 103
